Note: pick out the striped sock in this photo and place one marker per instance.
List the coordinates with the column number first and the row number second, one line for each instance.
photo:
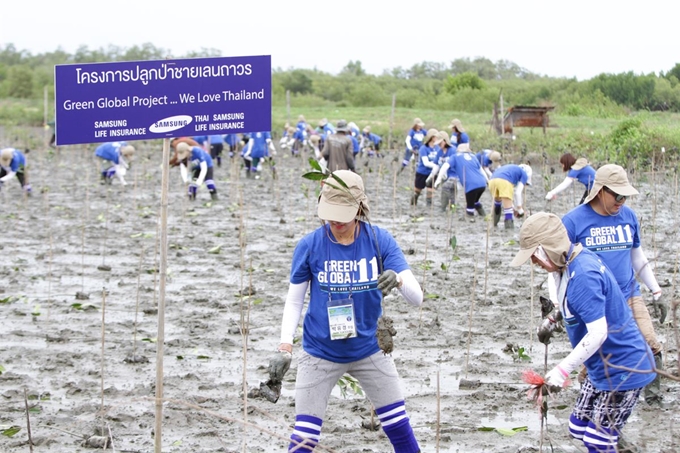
column 508, row 213
column 397, row 427
column 600, row 439
column 577, row 427
column 306, row 433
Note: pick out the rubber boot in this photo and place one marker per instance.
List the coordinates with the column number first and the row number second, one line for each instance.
column 414, row 199
column 623, row 446
column 653, row 390
column 213, row 195
column 480, row 210
column 444, row 201
column 470, row 216
column 509, row 224
column 428, row 201
column 219, row 161
column 496, row 214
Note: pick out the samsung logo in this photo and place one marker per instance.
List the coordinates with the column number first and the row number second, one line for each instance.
column 170, row 124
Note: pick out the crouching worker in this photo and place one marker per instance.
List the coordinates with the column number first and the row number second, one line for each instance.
column 112, row 156
column 13, row 163
column 342, row 319
column 199, row 162
column 600, row 325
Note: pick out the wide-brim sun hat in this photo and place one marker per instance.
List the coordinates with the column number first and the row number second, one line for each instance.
column 463, row 148
column 183, row 150
column 444, row 136
column 127, row 150
column 430, row 134
column 527, row 169
column 457, row 124
column 418, row 122
column 341, row 201
column 367, row 129
column 580, row 163
column 6, row 156
column 544, row 229
column 495, row 156
column 615, row 178
column 341, row 126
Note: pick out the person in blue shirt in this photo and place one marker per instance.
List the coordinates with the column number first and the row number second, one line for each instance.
column 13, row 163
column 288, row 139
column 114, row 157
column 216, row 143
column 487, row 158
column 445, row 149
column 601, row 331
column 414, row 140
column 370, row 142
column 349, row 267
column 258, row 148
column 577, row 170
column 471, row 176
column 606, row 226
column 506, row 187
column 458, row 134
column 427, row 164
column 326, row 128
column 232, row 141
column 196, row 160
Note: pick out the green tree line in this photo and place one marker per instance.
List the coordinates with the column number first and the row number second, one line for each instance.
column 464, row 84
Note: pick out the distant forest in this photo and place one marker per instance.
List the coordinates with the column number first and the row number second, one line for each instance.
column 464, row 84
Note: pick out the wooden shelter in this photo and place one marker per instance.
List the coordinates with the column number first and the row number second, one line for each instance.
column 526, row 116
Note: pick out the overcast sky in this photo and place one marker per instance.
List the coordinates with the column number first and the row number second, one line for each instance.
column 576, row 38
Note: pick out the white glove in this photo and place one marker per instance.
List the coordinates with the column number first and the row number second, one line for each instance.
column 549, row 196
column 557, row 377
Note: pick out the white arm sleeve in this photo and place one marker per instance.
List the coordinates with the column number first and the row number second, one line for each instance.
column 201, row 176
column 563, row 186
column 589, row 344
column 487, row 172
column 292, row 310
column 408, row 143
column 483, row 172
column 410, row 288
column 643, row 269
column 428, row 163
column 442, row 173
column 183, row 172
column 518, row 193
column 7, row 177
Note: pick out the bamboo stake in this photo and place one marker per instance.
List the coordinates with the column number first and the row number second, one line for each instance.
column 139, row 277
column 103, row 356
column 28, row 422
column 439, row 416
column 160, row 338
column 472, row 307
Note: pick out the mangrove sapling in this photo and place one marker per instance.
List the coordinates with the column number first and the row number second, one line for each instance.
column 28, row 423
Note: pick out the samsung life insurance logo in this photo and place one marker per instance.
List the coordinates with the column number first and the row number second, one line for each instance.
column 169, row 124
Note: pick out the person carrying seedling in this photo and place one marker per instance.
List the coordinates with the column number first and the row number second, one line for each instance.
column 199, row 162
column 465, row 165
column 13, row 163
column 348, row 266
column 601, row 329
column 114, row 157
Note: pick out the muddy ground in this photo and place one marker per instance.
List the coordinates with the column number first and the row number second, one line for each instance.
column 80, row 291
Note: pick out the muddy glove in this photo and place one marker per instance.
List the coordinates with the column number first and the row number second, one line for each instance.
column 556, row 379
column 279, row 365
column 387, row 281
column 548, row 326
column 660, row 308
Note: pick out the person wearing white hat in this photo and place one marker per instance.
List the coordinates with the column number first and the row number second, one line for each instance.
column 347, row 266
column 577, row 170
column 414, row 140
column 114, row 158
column 506, row 186
column 606, row 226
column 13, row 163
column 601, row 331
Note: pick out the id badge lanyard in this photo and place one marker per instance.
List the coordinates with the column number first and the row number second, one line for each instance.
column 341, row 320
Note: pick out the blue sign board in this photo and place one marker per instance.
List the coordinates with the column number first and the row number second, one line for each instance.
column 142, row 100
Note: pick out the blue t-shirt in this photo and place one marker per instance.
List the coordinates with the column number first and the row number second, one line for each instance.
column 443, row 156
column 431, row 154
column 355, row 144
column 354, row 267
column 199, row 155
column 260, row 147
column 459, row 137
column 483, row 158
column 611, row 237
column 511, row 173
column 110, row 151
column 416, row 138
column 231, row 139
column 18, row 162
column 585, row 176
column 592, row 293
column 467, row 167
column 214, row 139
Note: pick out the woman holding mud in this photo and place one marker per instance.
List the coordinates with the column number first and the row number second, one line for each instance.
column 348, row 265
column 576, row 170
